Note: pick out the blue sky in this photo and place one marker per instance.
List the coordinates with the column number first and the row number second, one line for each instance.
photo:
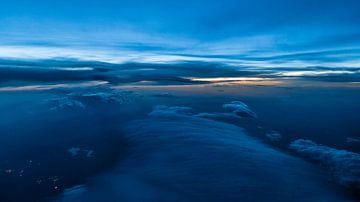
column 232, row 28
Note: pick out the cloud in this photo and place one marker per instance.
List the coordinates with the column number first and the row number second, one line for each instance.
column 240, row 109
column 344, row 165
column 72, row 193
column 83, row 98
column 65, row 103
column 352, row 140
column 57, row 70
column 162, row 110
column 217, row 115
column 45, row 72
column 75, row 151
column 43, row 87
column 165, row 23
column 164, row 95
column 273, row 136
column 62, row 72
column 242, row 32
column 105, row 96
column 178, row 157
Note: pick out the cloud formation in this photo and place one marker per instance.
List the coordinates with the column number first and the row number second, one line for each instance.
column 344, row 165
column 178, row 157
column 17, row 75
column 83, row 98
column 65, row 103
column 240, row 109
column 162, row 110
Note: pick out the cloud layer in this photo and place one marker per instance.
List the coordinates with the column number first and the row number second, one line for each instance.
column 49, row 74
column 178, row 157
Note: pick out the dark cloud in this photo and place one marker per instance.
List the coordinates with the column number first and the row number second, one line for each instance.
column 50, row 71
column 180, row 73
column 44, row 75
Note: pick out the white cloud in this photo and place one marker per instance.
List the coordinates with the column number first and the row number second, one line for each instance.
column 52, row 86
column 314, row 73
column 240, row 109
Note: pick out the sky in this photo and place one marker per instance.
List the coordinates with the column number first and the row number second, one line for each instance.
column 262, row 32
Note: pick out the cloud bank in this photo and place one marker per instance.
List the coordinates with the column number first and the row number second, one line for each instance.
column 178, row 157
column 17, row 75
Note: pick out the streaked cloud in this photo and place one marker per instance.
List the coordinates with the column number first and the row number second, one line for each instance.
column 51, row 87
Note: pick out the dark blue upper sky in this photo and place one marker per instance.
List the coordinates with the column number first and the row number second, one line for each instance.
column 229, row 27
